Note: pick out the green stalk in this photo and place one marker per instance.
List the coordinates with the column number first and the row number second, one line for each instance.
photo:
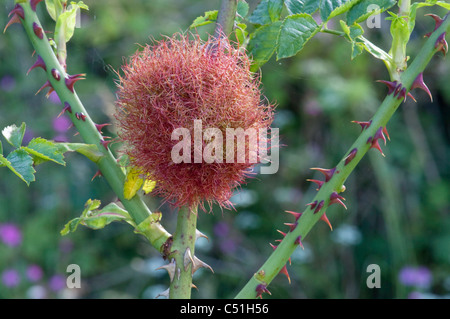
column 225, row 19
column 281, row 254
column 183, row 247
column 107, row 164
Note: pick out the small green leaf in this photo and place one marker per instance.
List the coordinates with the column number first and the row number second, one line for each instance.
column 266, row 12
column 376, row 51
column 133, row 183
column 241, row 32
column 301, row 6
column 295, row 31
column 332, row 8
column 54, row 8
column 352, row 33
column 66, row 21
column 242, row 9
column 89, row 150
column 360, row 11
column 21, row 164
column 96, row 219
column 14, row 135
column 1, row 148
column 262, row 43
column 43, row 150
column 208, row 17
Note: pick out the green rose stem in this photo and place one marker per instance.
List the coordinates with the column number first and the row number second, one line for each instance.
column 335, row 178
column 183, row 265
column 63, row 83
column 225, row 18
column 183, row 247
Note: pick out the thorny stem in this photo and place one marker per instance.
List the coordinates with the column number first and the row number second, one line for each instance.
column 183, row 251
column 108, row 165
column 308, row 219
column 225, row 19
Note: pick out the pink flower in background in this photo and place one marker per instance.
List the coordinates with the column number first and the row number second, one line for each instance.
column 10, row 278
column 419, row 277
column 57, row 282
column 34, row 273
column 10, row 234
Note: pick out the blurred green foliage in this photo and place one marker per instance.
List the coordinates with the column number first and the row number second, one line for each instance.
column 397, row 206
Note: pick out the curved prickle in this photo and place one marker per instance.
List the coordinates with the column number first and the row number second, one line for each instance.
column 325, row 219
column 336, row 198
column 319, row 183
column 319, row 207
column 72, row 79
column 391, row 85
column 437, row 20
column 38, row 64
column 170, row 268
column 328, row 173
column 200, row 264
column 441, row 44
column 420, row 84
column 34, row 3
column 261, row 289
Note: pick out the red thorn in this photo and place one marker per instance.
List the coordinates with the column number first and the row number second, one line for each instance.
column 402, row 94
column 328, row 173
column 437, row 20
column 66, row 108
column 298, row 241
column 411, row 96
column 296, row 215
column 292, row 226
column 98, row 173
column 319, row 183
column 319, row 207
column 385, row 131
column 325, row 219
column 38, row 64
column 15, row 19
column 285, row 272
column 351, row 156
column 55, row 74
column 420, row 84
column 106, row 143
column 282, row 233
column 72, row 79
column 47, row 84
column 364, row 125
column 313, row 204
column 38, row 31
column 379, row 134
column 101, row 126
column 33, row 4
column 391, row 85
column 441, row 44
column 336, row 198
column 260, row 289
column 376, row 145
column 80, row 116
column 18, row 10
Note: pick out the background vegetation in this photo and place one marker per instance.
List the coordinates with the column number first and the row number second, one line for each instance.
column 398, row 206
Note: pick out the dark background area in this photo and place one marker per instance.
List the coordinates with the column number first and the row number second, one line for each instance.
column 398, row 206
